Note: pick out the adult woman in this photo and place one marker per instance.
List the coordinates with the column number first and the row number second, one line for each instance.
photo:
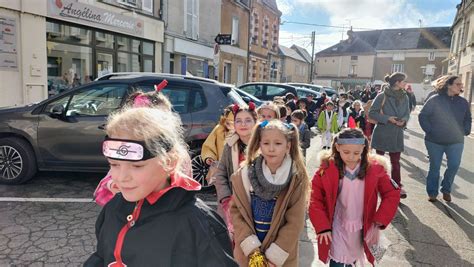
column 446, row 119
column 391, row 111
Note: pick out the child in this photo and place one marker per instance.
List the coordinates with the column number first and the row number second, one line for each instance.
column 297, row 118
column 343, row 206
column 155, row 220
column 270, row 196
column 357, row 114
column 212, row 148
column 327, row 124
column 268, row 111
column 233, row 154
column 283, row 112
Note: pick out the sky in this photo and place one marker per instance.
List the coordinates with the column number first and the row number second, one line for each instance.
column 360, row 14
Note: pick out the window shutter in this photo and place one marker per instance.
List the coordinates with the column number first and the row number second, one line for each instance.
column 235, row 31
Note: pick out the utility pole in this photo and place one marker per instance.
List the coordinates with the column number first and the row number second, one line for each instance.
column 313, row 35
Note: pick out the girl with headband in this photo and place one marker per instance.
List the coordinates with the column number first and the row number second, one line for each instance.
column 343, row 205
column 245, row 118
column 270, row 197
column 155, row 219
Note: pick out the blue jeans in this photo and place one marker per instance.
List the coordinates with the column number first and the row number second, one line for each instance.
column 453, row 156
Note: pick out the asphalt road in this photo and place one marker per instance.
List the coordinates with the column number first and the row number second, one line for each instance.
column 50, row 220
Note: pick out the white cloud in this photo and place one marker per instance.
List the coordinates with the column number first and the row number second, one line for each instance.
column 285, row 7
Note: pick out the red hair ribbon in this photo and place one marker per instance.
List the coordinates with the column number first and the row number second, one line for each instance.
column 251, row 106
column 159, row 87
column 235, row 108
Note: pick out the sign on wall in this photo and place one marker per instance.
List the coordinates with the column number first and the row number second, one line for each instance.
column 8, row 45
column 73, row 11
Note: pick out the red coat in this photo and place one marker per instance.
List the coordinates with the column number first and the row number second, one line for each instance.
column 324, row 197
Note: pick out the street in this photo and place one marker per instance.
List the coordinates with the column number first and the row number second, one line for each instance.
column 50, row 220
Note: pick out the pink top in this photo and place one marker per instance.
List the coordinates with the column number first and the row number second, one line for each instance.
column 346, row 246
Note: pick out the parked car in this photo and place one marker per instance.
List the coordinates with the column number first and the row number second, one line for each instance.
column 330, row 92
column 248, row 97
column 303, row 92
column 65, row 132
column 314, row 87
column 267, row 91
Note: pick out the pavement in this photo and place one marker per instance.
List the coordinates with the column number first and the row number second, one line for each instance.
column 422, row 233
column 50, row 220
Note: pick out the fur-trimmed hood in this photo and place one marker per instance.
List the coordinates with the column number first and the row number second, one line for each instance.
column 232, row 139
column 325, row 156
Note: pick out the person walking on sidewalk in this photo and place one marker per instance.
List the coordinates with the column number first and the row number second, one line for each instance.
column 391, row 111
column 446, row 119
column 343, row 206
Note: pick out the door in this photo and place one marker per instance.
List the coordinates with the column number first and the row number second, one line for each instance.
column 104, row 63
column 74, row 139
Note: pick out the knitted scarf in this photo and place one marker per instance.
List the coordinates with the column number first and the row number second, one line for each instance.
column 399, row 94
column 261, row 186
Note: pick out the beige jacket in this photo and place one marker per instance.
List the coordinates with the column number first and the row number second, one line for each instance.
column 281, row 243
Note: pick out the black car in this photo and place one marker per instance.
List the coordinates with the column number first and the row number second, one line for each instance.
column 248, row 97
column 267, row 91
column 65, row 132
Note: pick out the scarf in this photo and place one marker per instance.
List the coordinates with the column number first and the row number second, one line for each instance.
column 262, row 187
column 399, row 95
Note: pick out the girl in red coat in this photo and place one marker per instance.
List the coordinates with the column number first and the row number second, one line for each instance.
column 343, row 207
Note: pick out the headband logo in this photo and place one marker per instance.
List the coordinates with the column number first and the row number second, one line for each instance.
column 122, row 150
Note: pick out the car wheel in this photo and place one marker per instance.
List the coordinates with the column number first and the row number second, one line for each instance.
column 17, row 161
column 200, row 169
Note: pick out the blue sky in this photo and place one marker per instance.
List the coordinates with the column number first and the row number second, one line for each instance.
column 370, row 14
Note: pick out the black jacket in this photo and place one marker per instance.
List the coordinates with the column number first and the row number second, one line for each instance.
column 358, row 117
column 446, row 119
column 178, row 230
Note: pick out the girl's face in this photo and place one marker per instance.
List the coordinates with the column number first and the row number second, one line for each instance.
column 274, row 147
column 302, row 105
column 137, row 179
column 244, row 123
column 357, row 107
column 400, row 84
column 296, row 121
column 329, row 107
column 456, row 87
column 267, row 114
column 350, row 154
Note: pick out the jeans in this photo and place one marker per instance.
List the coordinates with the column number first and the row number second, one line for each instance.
column 453, row 155
column 395, row 161
column 333, row 263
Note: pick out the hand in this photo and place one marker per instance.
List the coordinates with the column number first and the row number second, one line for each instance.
column 327, row 237
column 400, row 123
column 209, row 161
column 393, row 120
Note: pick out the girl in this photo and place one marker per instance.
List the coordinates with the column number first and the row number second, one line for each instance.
column 270, row 195
column 357, row 114
column 213, row 147
column 233, row 154
column 391, row 111
column 327, row 124
column 268, row 111
column 445, row 118
column 297, row 118
column 343, row 205
column 155, row 220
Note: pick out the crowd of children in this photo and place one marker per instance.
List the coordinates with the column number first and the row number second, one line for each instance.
column 256, row 155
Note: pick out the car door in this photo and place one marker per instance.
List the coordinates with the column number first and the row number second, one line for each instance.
column 74, row 138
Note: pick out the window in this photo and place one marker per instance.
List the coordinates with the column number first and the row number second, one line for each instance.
column 466, row 34
column 431, row 56
column 97, row 101
column 132, row 3
column 179, row 96
column 227, row 72
column 199, row 100
column 191, row 18
column 458, row 44
column 147, row 5
column 235, row 31
column 254, row 28
column 397, row 68
column 255, row 90
column 274, row 91
column 354, row 57
column 453, row 45
column 104, row 40
column 265, row 32
column 353, row 70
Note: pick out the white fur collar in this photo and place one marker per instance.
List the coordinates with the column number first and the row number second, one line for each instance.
column 282, row 173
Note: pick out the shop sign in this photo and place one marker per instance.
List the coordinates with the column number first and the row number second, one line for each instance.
column 73, row 11
column 8, row 45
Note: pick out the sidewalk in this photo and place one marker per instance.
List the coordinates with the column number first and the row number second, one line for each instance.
column 422, row 233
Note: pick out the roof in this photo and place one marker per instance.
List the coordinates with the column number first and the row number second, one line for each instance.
column 391, row 39
column 302, row 52
column 273, row 5
column 288, row 52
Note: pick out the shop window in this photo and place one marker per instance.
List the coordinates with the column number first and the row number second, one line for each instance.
column 148, row 48
column 127, row 62
column 135, row 46
column 104, row 40
column 195, row 67
column 66, row 33
column 123, row 43
column 97, row 101
column 148, row 65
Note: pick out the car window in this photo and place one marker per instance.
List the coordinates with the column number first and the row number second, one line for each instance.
column 179, row 96
column 301, row 93
column 97, row 101
column 199, row 101
column 253, row 89
column 61, row 102
column 234, row 97
column 275, row 91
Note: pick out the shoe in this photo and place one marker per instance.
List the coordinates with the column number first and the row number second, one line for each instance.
column 447, row 197
column 403, row 193
column 432, row 199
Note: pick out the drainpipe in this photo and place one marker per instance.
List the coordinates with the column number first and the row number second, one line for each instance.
column 248, row 39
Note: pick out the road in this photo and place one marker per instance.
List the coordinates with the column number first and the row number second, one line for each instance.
column 50, row 220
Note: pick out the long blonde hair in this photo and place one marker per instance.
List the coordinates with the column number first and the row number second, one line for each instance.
column 290, row 131
column 153, row 126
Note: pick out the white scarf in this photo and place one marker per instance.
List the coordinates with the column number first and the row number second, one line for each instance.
column 281, row 174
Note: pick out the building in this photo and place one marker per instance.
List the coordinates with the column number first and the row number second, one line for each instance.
column 294, row 67
column 367, row 56
column 232, row 59
column 190, row 29
column 53, row 45
column 304, row 53
column 264, row 31
column 461, row 57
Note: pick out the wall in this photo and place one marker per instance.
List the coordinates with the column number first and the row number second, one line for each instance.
column 339, row 66
column 289, row 70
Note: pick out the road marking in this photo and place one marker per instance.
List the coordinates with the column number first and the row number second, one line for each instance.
column 64, row 200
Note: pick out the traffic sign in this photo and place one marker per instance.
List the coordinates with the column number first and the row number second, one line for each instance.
column 223, row 39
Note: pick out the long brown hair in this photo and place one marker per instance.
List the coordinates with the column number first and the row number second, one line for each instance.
column 441, row 84
column 349, row 133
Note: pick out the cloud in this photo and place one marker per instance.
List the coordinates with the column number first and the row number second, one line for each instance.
column 285, row 7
